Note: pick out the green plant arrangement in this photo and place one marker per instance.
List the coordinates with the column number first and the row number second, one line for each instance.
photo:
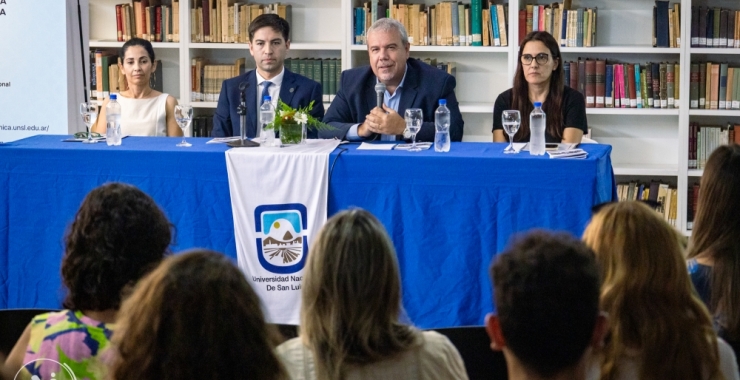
column 290, row 122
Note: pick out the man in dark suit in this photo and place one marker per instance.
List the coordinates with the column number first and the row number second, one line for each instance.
column 409, row 83
column 268, row 44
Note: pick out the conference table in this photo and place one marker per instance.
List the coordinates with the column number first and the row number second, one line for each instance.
column 448, row 214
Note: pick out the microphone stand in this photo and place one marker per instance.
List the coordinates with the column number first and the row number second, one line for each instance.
column 242, row 111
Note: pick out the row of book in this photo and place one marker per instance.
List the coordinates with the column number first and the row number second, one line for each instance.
column 106, row 77
column 663, row 194
column 666, row 24
column 448, row 23
column 226, row 21
column 692, row 196
column 448, row 67
column 704, row 139
column 148, row 19
column 202, row 126
column 570, row 27
column 715, row 27
column 714, row 86
column 207, row 79
column 624, row 85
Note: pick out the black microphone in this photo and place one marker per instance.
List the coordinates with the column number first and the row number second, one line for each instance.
column 379, row 92
column 242, row 96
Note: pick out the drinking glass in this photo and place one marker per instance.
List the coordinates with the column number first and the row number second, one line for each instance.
column 414, row 118
column 89, row 112
column 511, row 120
column 183, row 116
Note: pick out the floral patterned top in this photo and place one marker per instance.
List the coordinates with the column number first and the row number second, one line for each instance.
column 68, row 345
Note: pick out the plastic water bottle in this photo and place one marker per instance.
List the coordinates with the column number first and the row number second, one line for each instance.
column 267, row 115
column 113, row 121
column 537, row 122
column 442, row 125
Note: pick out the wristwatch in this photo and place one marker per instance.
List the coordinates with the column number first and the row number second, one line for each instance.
column 406, row 134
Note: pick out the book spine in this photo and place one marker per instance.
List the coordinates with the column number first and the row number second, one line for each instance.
column 702, row 86
column 494, row 25
column 663, row 70
column 714, row 87
column 648, row 85
column 716, row 25
column 609, row 87
column 722, row 86
column 522, row 24
column 566, row 73
column 530, row 18
column 564, row 27
column 694, row 86
column 702, row 15
column 590, row 83
column 736, row 92
column 676, row 85
column 643, row 88
column 632, row 85
column 600, row 83
column 662, row 23
column 574, row 75
column 694, row 26
column 119, row 23
column 669, row 85
column 502, row 24
column 582, row 77
column 476, row 12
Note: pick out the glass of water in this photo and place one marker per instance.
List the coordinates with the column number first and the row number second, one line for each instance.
column 511, row 120
column 414, row 118
column 89, row 112
column 183, row 116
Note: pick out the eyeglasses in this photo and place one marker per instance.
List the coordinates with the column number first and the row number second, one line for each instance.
column 541, row 58
column 83, row 135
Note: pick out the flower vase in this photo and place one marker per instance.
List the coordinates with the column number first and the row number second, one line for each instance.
column 303, row 133
column 291, row 133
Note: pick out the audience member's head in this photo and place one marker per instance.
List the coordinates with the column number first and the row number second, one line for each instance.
column 716, row 234
column 649, row 297
column 117, row 236
column 194, row 317
column 352, row 295
column 546, row 292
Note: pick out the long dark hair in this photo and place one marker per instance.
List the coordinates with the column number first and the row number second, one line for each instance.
column 715, row 234
column 554, row 102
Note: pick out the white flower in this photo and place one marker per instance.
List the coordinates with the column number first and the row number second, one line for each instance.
column 300, row 117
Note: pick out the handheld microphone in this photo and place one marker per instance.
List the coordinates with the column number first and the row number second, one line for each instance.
column 379, row 92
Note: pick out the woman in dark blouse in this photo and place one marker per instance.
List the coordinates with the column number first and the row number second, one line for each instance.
column 539, row 78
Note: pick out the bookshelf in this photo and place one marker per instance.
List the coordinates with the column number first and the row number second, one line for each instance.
column 647, row 143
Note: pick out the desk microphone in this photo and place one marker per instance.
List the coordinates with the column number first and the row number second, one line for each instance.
column 379, row 92
column 242, row 111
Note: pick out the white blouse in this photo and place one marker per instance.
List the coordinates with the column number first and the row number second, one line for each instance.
column 144, row 117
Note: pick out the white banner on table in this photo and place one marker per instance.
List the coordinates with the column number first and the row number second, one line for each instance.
column 279, row 202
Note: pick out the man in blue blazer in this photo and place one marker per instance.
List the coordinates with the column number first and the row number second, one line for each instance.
column 409, row 83
column 268, row 44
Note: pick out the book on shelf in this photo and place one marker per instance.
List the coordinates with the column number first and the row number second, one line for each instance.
column 664, row 194
column 155, row 20
column 704, row 139
column 666, row 24
column 623, row 85
column 227, row 21
column 480, row 23
column 715, row 27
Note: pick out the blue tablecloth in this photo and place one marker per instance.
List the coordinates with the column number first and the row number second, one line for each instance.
column 448, row 214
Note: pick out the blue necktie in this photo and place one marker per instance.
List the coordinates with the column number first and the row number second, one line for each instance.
column 265, row 86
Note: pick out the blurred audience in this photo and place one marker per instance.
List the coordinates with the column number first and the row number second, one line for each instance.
column 659, row 328
column 117, row 236
column 195, row 317
column 349, row 314
column 547, row 320
column 714, row 248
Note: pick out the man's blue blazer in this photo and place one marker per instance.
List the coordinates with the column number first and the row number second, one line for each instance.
column 423, row 87
column 296, row 91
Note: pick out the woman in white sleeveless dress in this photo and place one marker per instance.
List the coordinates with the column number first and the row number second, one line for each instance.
column 144, row 111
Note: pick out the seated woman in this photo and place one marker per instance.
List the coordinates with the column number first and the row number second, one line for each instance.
column 349, row 313
column 659, row 329
column 195, row 317
column 117, row 236
column 714, row 249
column 540, row 78
column 144, row 110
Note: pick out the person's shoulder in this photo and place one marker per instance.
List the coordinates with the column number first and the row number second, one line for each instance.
column 289, row 346
column 439, row 357
column 505, row 96
column 436, row 345
column 727, row 360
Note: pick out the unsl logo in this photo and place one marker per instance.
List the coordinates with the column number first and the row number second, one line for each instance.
column 282, row 244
